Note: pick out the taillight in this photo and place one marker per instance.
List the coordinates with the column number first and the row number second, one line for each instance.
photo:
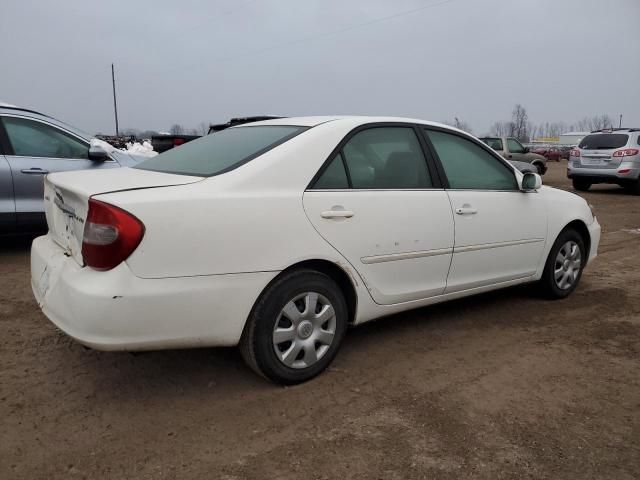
column 178, row 141
column 110, row 235
column 575, row 153
column 628, row 152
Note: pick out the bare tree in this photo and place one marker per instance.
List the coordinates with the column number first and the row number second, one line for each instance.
column 202, row 128
column 176, row 129
column 597, row 122
column 502, row 129
column 519, row 118
column 460, row 124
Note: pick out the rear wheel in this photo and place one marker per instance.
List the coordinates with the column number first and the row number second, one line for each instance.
column 634, row 187
column 563, row 269
column 581, row 185
column 295, row 328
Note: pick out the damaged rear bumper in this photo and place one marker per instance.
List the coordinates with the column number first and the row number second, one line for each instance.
column 115, row 310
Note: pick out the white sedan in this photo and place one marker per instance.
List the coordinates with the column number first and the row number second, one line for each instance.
column 277, row 235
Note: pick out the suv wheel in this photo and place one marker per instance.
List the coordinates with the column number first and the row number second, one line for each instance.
column 295, row 328
column 581, row 185
column 634, row 187
column 564, row 265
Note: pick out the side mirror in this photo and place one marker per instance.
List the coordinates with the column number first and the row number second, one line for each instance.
column 98, row 154
column 526, row 150
column 531, row 182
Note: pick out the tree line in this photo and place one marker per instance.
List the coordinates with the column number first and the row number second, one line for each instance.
column 524, row 130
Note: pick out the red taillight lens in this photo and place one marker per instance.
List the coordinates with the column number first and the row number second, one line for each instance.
column 628, row 152
column 178, row 141
column 110, row 235
column 574, row 153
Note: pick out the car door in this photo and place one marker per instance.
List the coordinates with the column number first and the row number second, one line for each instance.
column 516, row 151
column 7, row 202
column 379, row 203
column 500, row 230
column 36, row 148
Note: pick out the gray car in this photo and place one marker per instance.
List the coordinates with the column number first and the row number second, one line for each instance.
column 31, row 145
column 607, row 156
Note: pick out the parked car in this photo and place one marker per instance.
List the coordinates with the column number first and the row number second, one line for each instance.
column 240, row 121
column 607, row 156
column 279, row 234
column 31, row 145
column 524, row 167
column 511, row 149
column 163, row 142
column 550, row 153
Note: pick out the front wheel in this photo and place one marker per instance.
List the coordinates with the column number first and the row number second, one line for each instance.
column 581, row 185
column 295, row 328
column 563, row 269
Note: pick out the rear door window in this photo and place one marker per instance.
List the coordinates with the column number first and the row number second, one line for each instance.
column 604, row 141
column 222, row 151
column 385, row 158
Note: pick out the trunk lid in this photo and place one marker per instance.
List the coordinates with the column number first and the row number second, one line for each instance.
column 66, row 198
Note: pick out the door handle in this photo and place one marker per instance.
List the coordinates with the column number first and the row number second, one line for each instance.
column 466, row 210
column 509, row 156
column 337, row 214
column 34, row 171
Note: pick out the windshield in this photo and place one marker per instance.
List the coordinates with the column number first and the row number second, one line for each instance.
column 222, row 151
column 604, row 141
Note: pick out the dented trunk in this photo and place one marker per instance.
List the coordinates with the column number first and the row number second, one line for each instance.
column 66, row 198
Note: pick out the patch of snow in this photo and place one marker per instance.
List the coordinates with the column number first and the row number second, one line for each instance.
column 144, row 149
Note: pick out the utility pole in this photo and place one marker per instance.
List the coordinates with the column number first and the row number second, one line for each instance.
column 620, row 125
column 115, row 105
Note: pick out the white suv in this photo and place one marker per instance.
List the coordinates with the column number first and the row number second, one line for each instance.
column 607, row 156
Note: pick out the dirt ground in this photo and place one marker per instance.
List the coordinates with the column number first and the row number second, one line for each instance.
column 502, row 385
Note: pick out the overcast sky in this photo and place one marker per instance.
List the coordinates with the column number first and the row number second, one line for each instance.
column 193, row 61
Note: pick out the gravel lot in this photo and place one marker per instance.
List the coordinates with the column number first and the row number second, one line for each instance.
column 502, row 385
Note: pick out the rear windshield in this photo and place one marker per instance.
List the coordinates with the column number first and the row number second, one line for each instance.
column 222, row 151
column 604, row 141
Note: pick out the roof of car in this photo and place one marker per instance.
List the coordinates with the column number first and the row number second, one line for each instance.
column 612, row 130
column 318, row 120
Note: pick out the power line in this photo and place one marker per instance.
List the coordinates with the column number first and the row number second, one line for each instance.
column 319, row 36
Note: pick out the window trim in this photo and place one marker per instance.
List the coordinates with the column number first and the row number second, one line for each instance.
column 445, row 180
column 8, row 146
column 436, row 179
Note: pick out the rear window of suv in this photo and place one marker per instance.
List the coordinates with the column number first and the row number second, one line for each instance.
column 222, row 151
column 604, row 141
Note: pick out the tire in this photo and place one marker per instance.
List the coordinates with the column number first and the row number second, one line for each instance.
column 539, row 168
column 287, row 357
column 560, row 278
column 633, row 188
column 581, row 185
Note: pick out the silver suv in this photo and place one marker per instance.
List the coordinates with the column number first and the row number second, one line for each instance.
column 607, row 156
